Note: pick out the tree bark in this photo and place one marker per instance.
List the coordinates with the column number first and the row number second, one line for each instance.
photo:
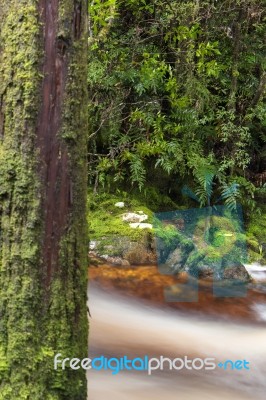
column 43, row 236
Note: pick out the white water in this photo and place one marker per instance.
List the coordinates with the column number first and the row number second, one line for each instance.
column 258, row 274
column 124, row 326
column 260, row 311
column 256, row 271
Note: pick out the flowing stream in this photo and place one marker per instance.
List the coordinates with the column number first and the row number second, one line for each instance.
column 258, row 273
column 122, row 325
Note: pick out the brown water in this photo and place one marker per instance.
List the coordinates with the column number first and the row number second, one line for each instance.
column 128, row 320
column 146, row 282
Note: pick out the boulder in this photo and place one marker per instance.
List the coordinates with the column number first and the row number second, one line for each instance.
column 115, row 260
column 201, row 270
column 205, row 268
column 172, row 254
column 124, row 251
column 197, row 265
column 139, row 253
column 175, row 261
column 236, row 272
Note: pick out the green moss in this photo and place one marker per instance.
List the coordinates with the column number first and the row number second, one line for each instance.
column 67, row 325
column 155, row 200
column 65, row 14
column 20, row 291
column 104, row 219
column 34, row 323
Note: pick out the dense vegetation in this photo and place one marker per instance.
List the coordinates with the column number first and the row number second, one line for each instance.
column 177, row 100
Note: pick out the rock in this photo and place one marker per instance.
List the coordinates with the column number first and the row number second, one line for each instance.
column 140, row 225
column 134, row 217
column 201, row 270
column 125, row 263
column 120, row 204
column 93, row 244
column 139, row 254
column 175, row 261
column 174, row 255
column 115, row 260
column 124, row 251
column 236, row 272
column 204, row 268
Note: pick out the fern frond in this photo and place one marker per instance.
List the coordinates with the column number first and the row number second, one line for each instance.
column 202, row 195
column 205, row 176
column 137, row 170
column 230, row 193
column 188, row 192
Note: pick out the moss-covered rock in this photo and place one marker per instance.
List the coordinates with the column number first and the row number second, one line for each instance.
column 114, row 236
column 105, row 218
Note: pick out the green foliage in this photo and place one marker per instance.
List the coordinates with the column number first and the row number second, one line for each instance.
column 205, row 175
column 230, row 193
column 169, row 87
column 256, row 236
column 100, row 14
column 137, row 170
column 177, row 102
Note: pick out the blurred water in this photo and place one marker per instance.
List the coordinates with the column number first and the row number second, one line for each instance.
column 122, row 325
column 260, row 311
column 257, row 271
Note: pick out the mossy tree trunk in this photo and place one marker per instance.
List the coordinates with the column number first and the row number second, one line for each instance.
column 43, row 240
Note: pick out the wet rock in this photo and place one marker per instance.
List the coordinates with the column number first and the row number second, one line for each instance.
column 236, row 272
column 198, row 266
column 124, row 251
column 140, row 253
column 205, row 268
column 115, row 260
column 176, row 261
